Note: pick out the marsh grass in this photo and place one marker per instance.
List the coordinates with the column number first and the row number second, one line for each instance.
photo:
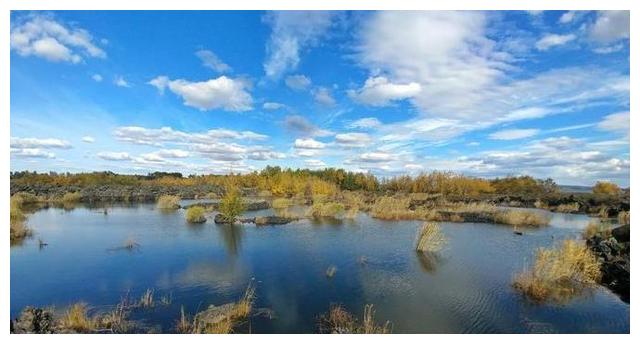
column 521, row 218
column 568, row 208
column 559, row 273
column 18, row 229
column 146, row 300
column 184, row 324
column 624, row 218
column 325, row 209
column 232, row 205
column 71, row 197
column 168, row 202
column 116, row 320
column 77, row 320
column 339, row 321
column 195, row 214
column 225, row 318
column 281, row 203
column 596, row 228
column 430, row 238
column 392, row 208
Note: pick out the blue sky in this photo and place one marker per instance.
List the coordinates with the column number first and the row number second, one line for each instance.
column 481, row 93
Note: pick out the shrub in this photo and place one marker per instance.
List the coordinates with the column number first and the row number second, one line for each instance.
column 232, row 204
column 605, row 188
column 168, row 202
column 430, row 238
column 559, row 273
column 195, row 215
column 339, row 321
column 568, row 208
column 521, row 218
column 624, row 218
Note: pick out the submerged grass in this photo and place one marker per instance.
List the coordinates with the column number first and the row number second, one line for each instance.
column 559, row 273
column 168, row 202
column 339, row 321
column 430, row 238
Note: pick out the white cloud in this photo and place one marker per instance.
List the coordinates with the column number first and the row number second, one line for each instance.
column 322, row 96
column 301, row 126
column 120, row 81
column 308, row 144
column 156, row 137
column 31, row 153
column 47, row 38
column 173, row 153
column 297, row 82
column 378, row 91
column 17, row 142
column 291, row 32
column 114, row 156
column 610, row 26
column 513, row 134
column 266, row 155
column 567, row 17
column 88, row 139
column 552, row 40
column 609, row 49
column 223, row 92
column 272, row 106
column 353, row 140
column 212, row 61
column 315, row 163
column 96, row 77
column 617, row 122
column 375, row 157
column 365, row 123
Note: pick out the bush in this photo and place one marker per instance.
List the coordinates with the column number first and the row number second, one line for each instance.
column 559, row 273
column 521, row 218
column 606, row 188
column 430, row 238
column 195, row 215
column 167, row 202
column 232, row 204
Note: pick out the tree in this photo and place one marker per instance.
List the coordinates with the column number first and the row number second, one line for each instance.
column 605, row 188
column 232, row 204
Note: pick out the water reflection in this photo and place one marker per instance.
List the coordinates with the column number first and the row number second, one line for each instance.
column 429, row 261
column 232, row 238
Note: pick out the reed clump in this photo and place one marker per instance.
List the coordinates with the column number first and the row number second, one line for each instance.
column 596, row 228
column 71, row 197
column 392, row 208
column 568, row 208
column 219, row 320
column 168, row 202
column 195, row 215
column 521, row 218
column 559, row 273
column 18, row 229
column 77, row 320
column 281, row 203
column 430, row 238
column 325, row 209
column 339, row 321
column 624, row 218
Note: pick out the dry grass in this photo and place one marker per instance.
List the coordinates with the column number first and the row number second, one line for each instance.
column 521, row 218
column 430, row 238
column 116, row 320
column 326, row 210
column 624, row 218
column 71, row 197
column 76, row 319
column 168, row 202
column 339, row 321
column 18, row 229
column 540, row 204
column 146, row 300
column 184, row 323
column 281, row 203
column 596, row 228
column 568, row 208
column 195, row 215
column 224, row 323
column 559, row 273
column 392, row 208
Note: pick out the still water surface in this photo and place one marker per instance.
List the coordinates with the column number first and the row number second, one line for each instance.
column 464, row 289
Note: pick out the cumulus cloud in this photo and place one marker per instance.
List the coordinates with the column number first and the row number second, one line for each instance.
column 292, row 32
column 315, row 163
column 552, row 40
column 44, row 37
column 301, row 126
column 610, row 26
column 513, row 134
column 352, row 140
column 221, row 93
column 114, row 156
column 297, row 82
column 18, row 142
column 156, row 137
column 378, row 91
column 272, row 106
column 308, row 144
column 322, row 96
column 121, row 82
column 375, row 157
column 88, row 139
column 31, row 153
column 211, row 60
column 96, row 77
column 567, row 17
column 617, row 122
column 365, row 123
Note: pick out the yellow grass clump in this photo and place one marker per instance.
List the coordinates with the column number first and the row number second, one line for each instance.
column 71, row 197
column 594, row 228
column 568, row 208
column 195, row 215
column 624, row 218
column 168, row 202
column 521, row 218
column 281, row 203
column 430, row 238
column 223, row 320
column 76, row 319
column 392, row 208
column 326, row 210
column 339, row 321
column 18, row 229
column 559, row 273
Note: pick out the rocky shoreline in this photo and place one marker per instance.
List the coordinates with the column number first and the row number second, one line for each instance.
column 613, row 253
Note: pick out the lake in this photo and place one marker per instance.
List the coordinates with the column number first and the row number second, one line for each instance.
column 466, row 288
